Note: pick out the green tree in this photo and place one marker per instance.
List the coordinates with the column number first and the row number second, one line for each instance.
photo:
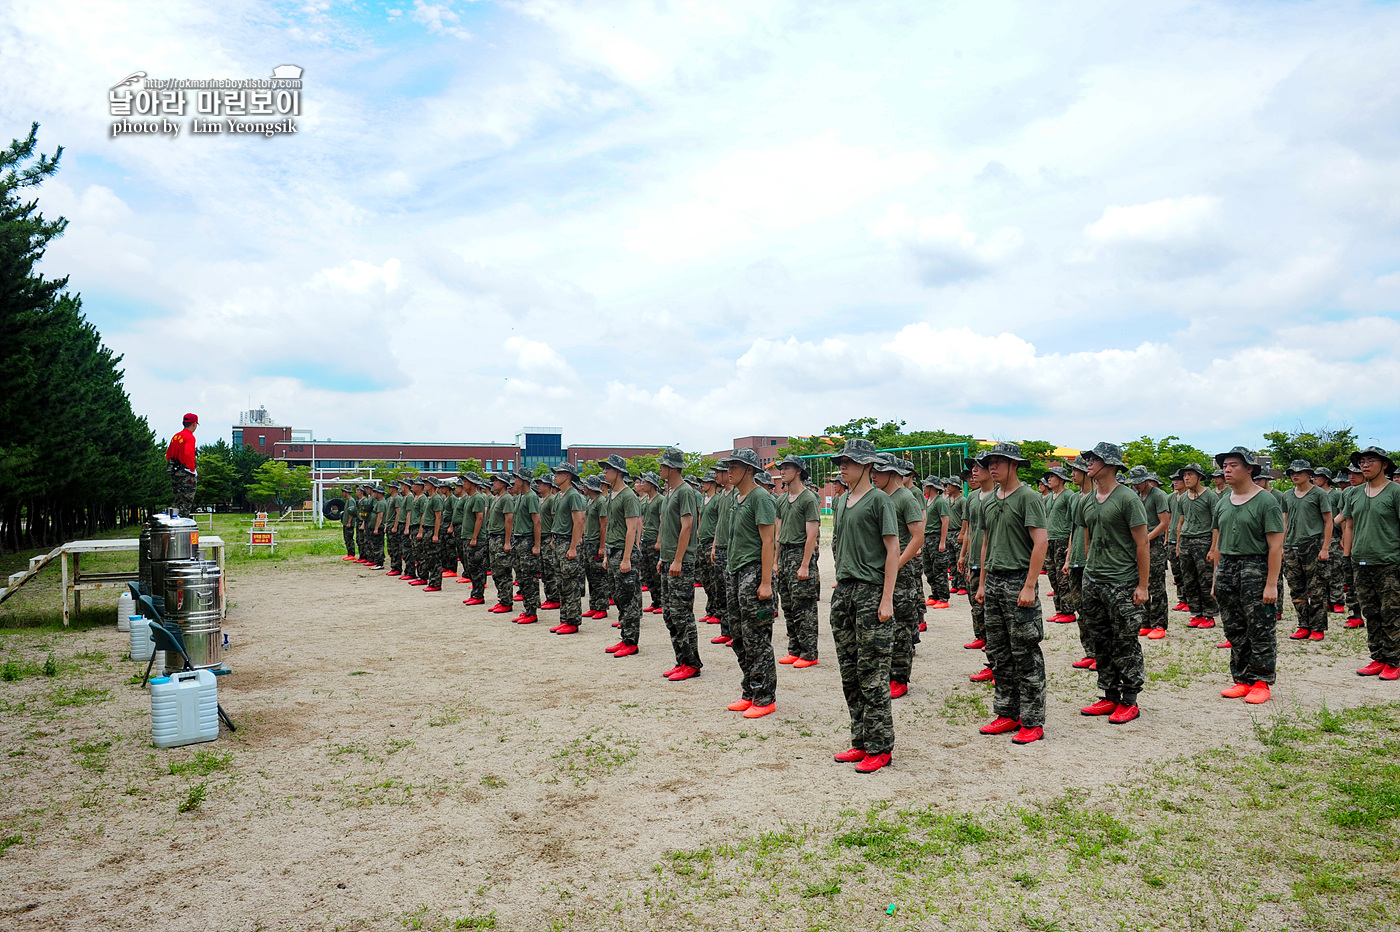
column 471, row 464
column 1322, row 447
column 276, row 482
column 1163, row 456
column 590, row 468
column 216, row 476
column 245, row 462
column 386, row 472
column 644, row 463
column 886, row 435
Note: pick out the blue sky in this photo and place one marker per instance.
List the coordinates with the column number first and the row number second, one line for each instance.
column 695, row 220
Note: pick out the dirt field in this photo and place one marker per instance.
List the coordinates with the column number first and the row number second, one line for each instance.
column 405, row 761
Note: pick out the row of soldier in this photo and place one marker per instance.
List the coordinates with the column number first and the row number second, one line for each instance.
column 751, row 540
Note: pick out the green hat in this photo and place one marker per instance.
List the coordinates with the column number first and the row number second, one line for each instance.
column 1299, row 466
column 501, row 478
column 1078, row 464
column 566, row 466
column 546, row 479
column 887, row 462
column 862, row 452
column 1324, row 472
column 1195, row 468
column 744, row 456
column 933, row 482
column 652, row 479
column 709, row 476
column 1058, row 471
column 614, row 461
column 1344, row 470
column 672, row 457
column 1244, row 453
column 1374, row 451
column 794, row 461
column 1006, row 450
column 764, row 477
column 1110, row 453
column 1138, row 475
column 593, row 483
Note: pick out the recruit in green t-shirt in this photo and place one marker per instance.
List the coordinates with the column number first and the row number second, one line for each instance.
column 795, row 513
column 754, row 510
column 1112, row 550
column 592, row 524
column 1242, row 526
column 566, row 504
column 907, row 511
column 501, row 505
column 1375, row 525
column 677, row 503
column 1059, row 515
column 859, row 546
column 709, row 514
column 1198, row 514
column 527, row 503
column 1154, row 503
column 651, row 517
column 1008, row 520
column 1307, row 514
column 621, row 506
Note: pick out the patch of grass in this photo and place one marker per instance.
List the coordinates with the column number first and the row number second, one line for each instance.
column 196, row 797
column 1370, row 787
column 8, row 843
column 79, row 696
column 487, row 921
column 1039, row 923
column 962, row 706
column 93, row 755
column 830, row 887
column 492, row 782
column 50, row 667
column 202, row 764
column 447, row 718
column 1323, row 880
column 590, row 756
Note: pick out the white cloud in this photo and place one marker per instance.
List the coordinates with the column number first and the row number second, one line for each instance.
column 439, row 18
column 943, row 249
column 538, row 359
column 1169, row 220
column 359, row 276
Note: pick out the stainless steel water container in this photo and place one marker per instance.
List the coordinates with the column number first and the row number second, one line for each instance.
column 194, row 599
column 171, row 538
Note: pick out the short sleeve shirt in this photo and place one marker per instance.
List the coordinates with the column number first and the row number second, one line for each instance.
column 934, row 514
column 1307, row 516
column 724, row 504
column 592, row 525
column 1154, row 503
column 907, row 511
column 1375, row 529
column 677, row 503
column 525, row 505
column 1008, row 520
column 795, row 514
column 976, row 528
column 1242, row 527
column 651, row 517
column 565, row 504
column 1112, row 550
column 621, row 506
column 709, row 515
column 496, row 516
column 1059, row 515
column 745, row 545
column 859, row 544
column 1198, row 513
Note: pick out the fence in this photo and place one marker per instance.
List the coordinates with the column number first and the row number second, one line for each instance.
column 943, row 460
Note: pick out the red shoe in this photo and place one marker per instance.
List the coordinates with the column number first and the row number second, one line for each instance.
column 1057, row 618
column 939, row 604
column 432, row 588
column 626, row 650
column 722, row 640
column 1373, row 668
column 393, row 573
column 699, row 586
column 1102, row 707
column 1258, row 693
column 611, row 602
column 1049, row 595
column 898, row 690
column 617, row 624
column 683, row 672
column 1156, row 634
column 1206, row 623
column 975, row 645
column 1224, row 645
column 550, row 605
column 712, row 620
column 923, row 626
column 929, row 602
column 1000, row 726
column 873, row 762
column 804, row 664
column 1237, row 691
column 658, row 610
column 1084, row 664
column 347, row 558
column 1093, row 664
column 667, row 674
column 406, row 578
column 1144, row 632
column 962, row 592
column 983, row 675
column 1317, row 635
column 616, row 647
column 519, row 597
column 1390, row 673
column 1123, row 714
column 1355, row 622
column 473, row 601
column 853, row 756
column 740, row 705
column 462, row 580
column 1028, row 735
column 527, row 619
column 419, row 582
column 555, row 629
column 1181, row 607
column 1195, row 622
column 758, row 711
column 449, row 574
column 1300, row 635
column 788, row 658
column 1338, row 609
column 566, row 629
column 645, row 589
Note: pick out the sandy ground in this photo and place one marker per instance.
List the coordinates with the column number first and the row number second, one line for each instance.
column 398, row 749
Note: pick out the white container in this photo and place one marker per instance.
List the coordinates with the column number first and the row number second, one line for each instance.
column 184, row 709
column 141, row 643
column 126, row 607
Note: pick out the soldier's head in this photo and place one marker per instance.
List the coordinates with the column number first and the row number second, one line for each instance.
column 191, row 422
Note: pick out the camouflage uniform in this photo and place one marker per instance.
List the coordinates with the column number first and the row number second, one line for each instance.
column 650, row 577
column 549, row 565
column 430, row 558
column 595, row 568
column 799, row 599
column 1336, row 572
column 863, row 645
column 722, row 608
column 1378, row 590
column 678, row 611
column 1076, row 606
column 905, row 634
column 1251, row 627
column 936, row 567
column 1113, row 622
column 347, row 530
column 627, row 593
column 1013, row 650
column 475, row 561
column 501, row 570
column 391, row 540
column 569, row 576
column 1054, row 570
column 1200, row 575
column 1308, row 579
column 752, row 630
column 182, row 483
column 527, row 570
column 1157, row 613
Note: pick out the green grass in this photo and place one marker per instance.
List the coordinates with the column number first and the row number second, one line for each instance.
column 592, row 756
column 9, row 842
column 92, row 756
column 195, row 798
column 202, row 764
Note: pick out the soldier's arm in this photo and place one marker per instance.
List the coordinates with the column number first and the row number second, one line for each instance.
column 1164, row 518
column 1144, row 561
column 535, row 523
column 510, row 525
column 1039, row 542
column 683, row 541
column 814, row 530
column 602, row 534
column 1326, row 536
column 765, row 568
column 943, row 534
column 476, row 528
column 577, row 534
column 916, row 542
column 1275, row 539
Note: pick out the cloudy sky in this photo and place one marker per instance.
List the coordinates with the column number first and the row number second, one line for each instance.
column 689, row 220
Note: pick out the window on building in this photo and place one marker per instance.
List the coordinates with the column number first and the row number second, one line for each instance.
column 237, row 438
column 262, row 440
column 772, row 443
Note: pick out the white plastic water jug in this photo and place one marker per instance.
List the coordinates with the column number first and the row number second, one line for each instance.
column 141, row 643
column 184, row 709
column 126, row 607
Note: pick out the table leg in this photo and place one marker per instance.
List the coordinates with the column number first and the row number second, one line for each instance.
column 63, row 561
column 77, row 578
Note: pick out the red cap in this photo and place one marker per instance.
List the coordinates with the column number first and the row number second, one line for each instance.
column 191, row 417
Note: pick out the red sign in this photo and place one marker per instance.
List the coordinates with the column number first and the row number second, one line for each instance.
column 261, row 537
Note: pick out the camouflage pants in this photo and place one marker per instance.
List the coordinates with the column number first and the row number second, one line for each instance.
column 799, row 599
column 182, row 483
column 376, row 548
column 722, row 608
column 568, row 580
column 905, row 634
column 863, row 644
column 595, row 568
column 1076, row 590
column 1157, row 611
column 1336, row 572
column 705, row 572
column 1378, row 588
column 447, row 551
column 650, row 577
column 1113, row 621
column 1013, row 650
column 627, row 593
column 1251, row 627
column 959, row 581
column 1174, row 564
column 1199, row 576
column 1308, row 579
column 360, row 538
column 678, row 611
column 501, row 570
column 1055, row 572
column 427, row 553
column 549, row 566
column 392, row 542
column 348, row 532
column 475, row 560
column 527, row 571
column 979, row 611
column 406, row 554
column 935, row 566
column 1353, row 601
column 751, row 627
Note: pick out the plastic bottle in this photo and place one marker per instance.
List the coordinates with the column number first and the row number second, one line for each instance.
column 126, row 607
column 141, row 643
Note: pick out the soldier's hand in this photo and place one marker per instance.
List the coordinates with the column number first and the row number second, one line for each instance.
column 1026, row 598
column 506, row 547
column 570, row 554
column 435, row 539
column 625, row 566
column 535, row 550
column 981, row 593
column 765, row 592
column 803, row 573
column 962, row 566
column 1321, row 556
column 676, row 568
column 1213, row 555
column 886, row 610
column 1139, row 595
column 1271, row 594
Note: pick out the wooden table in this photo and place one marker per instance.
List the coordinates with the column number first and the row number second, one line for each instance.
column 75, row 581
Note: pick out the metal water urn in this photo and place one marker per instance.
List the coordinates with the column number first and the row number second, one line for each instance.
column 171, row 537
column 194, row 599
